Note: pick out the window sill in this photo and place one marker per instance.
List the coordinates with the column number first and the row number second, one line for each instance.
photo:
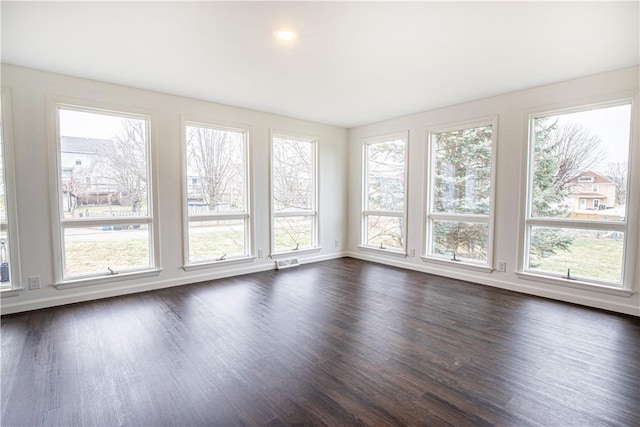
column 288, row 253
column 221, row 263
column 462, row 264
column 10, row 292
column 393, row 252
column 576, row 284
column 69, row 284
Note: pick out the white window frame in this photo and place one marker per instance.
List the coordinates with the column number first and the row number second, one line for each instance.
column 313, row 212
column 431, row 216
column 14, row 287
column 629, row 226
column 246, row 215
column 366, row 212
column 59, row 223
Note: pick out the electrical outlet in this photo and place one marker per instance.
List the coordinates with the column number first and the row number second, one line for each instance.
column 502, row 266
column 260, row 253
column 412, row 252
column 336, row 243
column 34, row 282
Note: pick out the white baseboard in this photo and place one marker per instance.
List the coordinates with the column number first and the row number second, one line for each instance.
column 594, row 301
column 91, row 293
column 94, row 293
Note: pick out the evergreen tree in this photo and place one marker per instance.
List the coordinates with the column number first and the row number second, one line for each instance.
column 549, row 190
column 462, row 184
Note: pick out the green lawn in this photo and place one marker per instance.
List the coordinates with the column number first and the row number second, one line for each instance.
column 212, row 242
column 106, row 210
column 91, row 250
column 596, row 258
column 293, row 232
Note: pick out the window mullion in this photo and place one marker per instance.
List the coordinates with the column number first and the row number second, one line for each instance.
column 73, row 223
column 218, row 217
column 572, row 223
column 384, row 213
column 293, row 214
column 477, row 218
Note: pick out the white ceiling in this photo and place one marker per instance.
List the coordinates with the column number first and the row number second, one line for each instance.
column 353, row 63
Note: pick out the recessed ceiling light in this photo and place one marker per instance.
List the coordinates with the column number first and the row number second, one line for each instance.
column 285, row 34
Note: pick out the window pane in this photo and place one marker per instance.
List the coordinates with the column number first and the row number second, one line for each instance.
column 384, row 230
column 467, row 240
column 210, row 240
column 587, row 254
column 462, row 170
column 96, row 249
column 581, row 164
column 293, row 232
column 386, row 175
column 293, row 174
column 104, row 168
column 3, row 197
column 216, row 179
column 5, row 273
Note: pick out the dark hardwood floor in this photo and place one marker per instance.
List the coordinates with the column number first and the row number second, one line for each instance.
column 341, row 342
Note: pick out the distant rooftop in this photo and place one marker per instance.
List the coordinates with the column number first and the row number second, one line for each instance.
column 92, row 146
column 597, row 178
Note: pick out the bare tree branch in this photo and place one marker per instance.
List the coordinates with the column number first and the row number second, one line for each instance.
column 128, row 162
column 617, row 172
column 578, row 149
column 215, row 157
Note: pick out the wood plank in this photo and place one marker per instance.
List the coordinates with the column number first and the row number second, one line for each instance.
column 341, row 342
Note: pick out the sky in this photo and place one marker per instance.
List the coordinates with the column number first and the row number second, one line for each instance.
column 89, row 125
column 612, row 124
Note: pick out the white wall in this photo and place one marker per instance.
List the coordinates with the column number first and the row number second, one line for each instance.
column 340, row 176
column 512, row 111
column 30, row 89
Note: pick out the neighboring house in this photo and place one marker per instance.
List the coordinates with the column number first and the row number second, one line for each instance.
column 591, row 191
column 86, row 172
column 197, row 201
column 195, row 194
